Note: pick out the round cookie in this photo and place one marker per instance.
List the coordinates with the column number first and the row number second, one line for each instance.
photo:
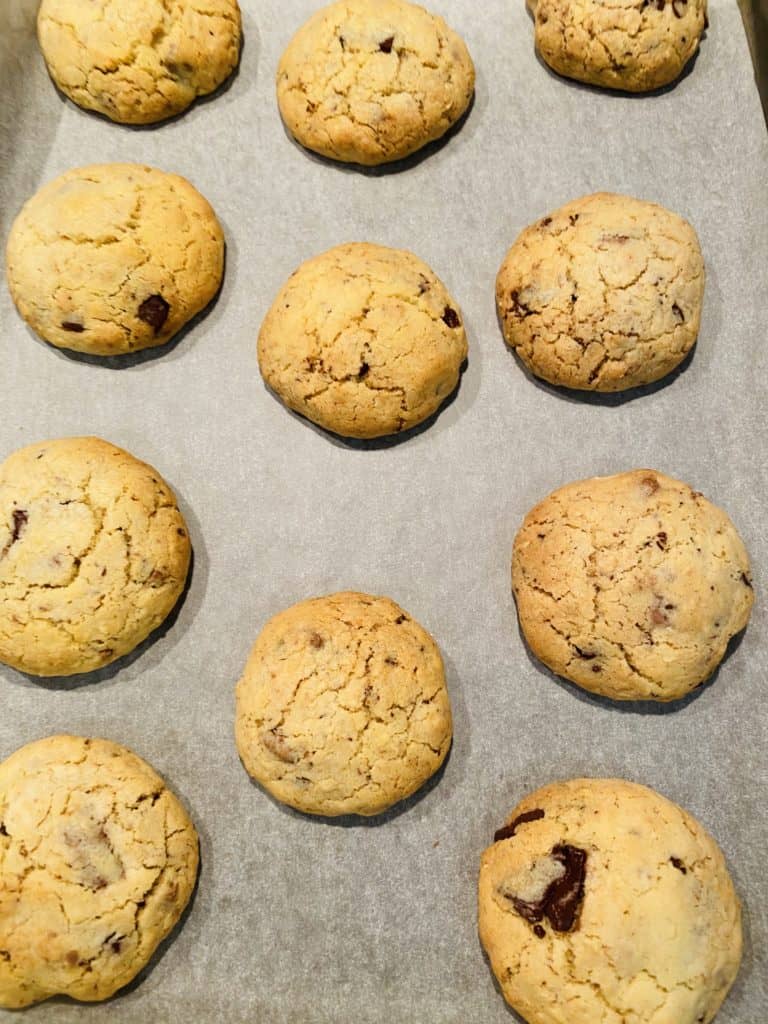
column 630, row 585
column 97, row 861
column 342, row 707
column 94, row 554
column 139, row 61
column 603, row 294
column 114, row 258
column 633, row 45
column 363, row 340
column 370, row 81
column 602, row 901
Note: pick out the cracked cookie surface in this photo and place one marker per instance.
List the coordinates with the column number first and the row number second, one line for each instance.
column 98, row 859
column 653, row 929
column 633, row 45
column 630, row 585
column 603, row 294
column 369, row 81
column 94, row 554
column 342, row 707
column 363, row 340
column 139, row 61
column 113, row 258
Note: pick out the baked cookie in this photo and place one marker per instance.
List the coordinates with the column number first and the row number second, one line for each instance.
column 139, row 61
column 363, row 340
column 630, row 585
column 114, row 258
column 601, row 901
column 94, row 554
column 603, row 294
column 370, row 81
column 342, row 707
column 634, row 45
column 97, row 861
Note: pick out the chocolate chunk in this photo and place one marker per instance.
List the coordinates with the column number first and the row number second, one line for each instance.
column 573, row 217
column 386, row 45
column 539, row 932
column 154, row 311
column 3, row 831
column 519, row 308
column 678, row 312
column 661, row 541
column 423, row 284
column 546, row 222
column 342, row 42
column 20, row 520
column 677, row 863
column 391, row 661
column 746, row 580
column 181, row 533
column 562, row 899
column 451, row 317
column 596, row 668
column 70, row 325
column 316, row 640
column 400, row 619
column 509, row 830
column 363, row 371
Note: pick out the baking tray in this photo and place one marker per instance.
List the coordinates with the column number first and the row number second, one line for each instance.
column 305, row 921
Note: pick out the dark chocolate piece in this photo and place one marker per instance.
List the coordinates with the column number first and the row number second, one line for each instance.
column 386, row 45
column 451, row 317
column 562, row 899
column 509, row 830
column 154, row 311
column 70, row 325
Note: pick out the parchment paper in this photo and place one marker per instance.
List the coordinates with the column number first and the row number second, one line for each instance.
column 304, row 921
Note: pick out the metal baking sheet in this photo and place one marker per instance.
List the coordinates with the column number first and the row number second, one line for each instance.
column 303, row 921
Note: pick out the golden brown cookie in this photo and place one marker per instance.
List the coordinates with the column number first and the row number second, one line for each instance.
column 139, row 61
column 634, row 45
column 342, row 707
column 94, row 554
column 98, row 859
column 601, row 902
column 603, row 294
column 630, row 585
column 113, row 258
column 370, row 81
column 363, row 340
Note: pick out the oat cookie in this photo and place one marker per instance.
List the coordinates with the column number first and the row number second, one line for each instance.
column 139, row 61
column 630, row 585
column 363, row 340
column 601, row 902
column 342, row 707
column 94, row 554
column 634, row 45
column 369, row 81
column 603, row 294
column 114, row 258
column 97, row 861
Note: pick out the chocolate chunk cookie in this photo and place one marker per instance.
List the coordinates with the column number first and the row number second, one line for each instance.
column 603, row 294
column 94, row 554
column 97, row 861
column 630, row 585
column 139, row 61
column 602, row 901
column 369, row 81
column 634, row 45
column 342, row 707
column 363, row 340
column 114, row 258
